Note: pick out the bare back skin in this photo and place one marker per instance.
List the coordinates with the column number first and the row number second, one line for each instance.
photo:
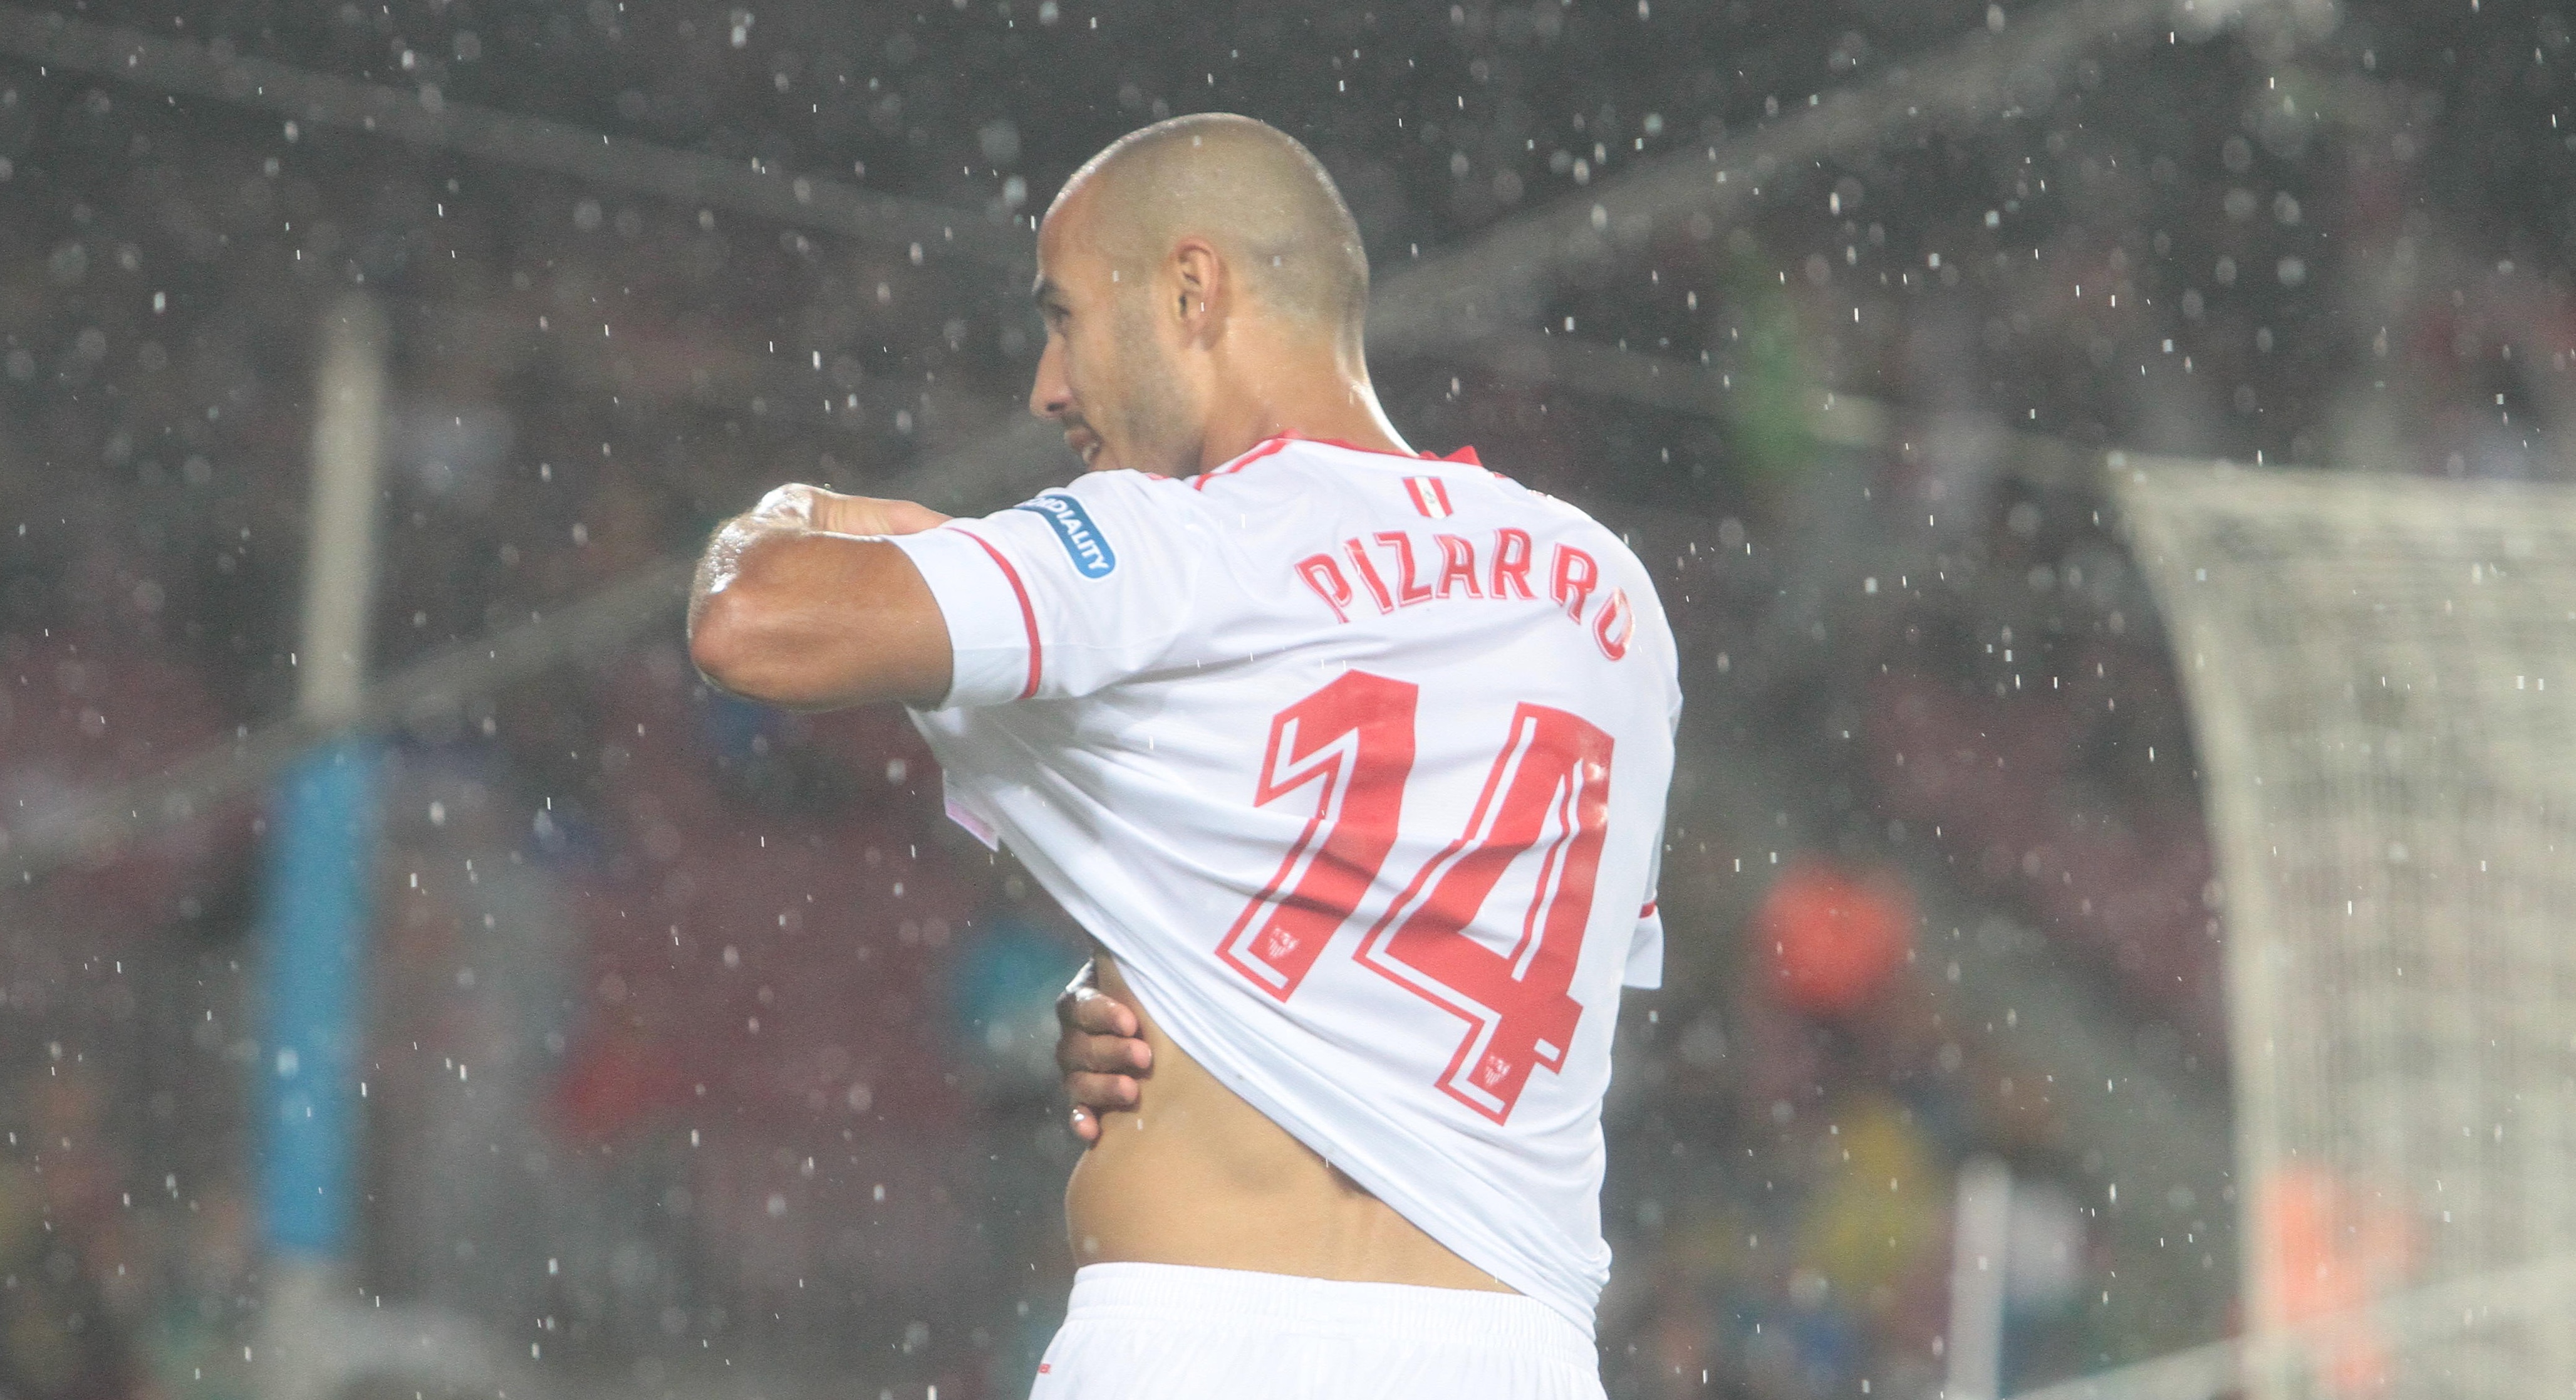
column 1194, row 1175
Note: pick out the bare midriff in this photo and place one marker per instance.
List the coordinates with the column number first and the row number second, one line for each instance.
column 1195, row 1175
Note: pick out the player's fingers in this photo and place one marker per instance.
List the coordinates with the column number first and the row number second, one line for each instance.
column 1100, row 1014
column 1085, row 1126
column 793, row 501
column 1116, row 1054
column 1101, row 1092
column 1067, row 1002
column 870, row 515
column 1101, row 1054
column 909, row 517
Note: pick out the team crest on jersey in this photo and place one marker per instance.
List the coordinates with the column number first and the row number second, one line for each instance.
column 1430, row 495
column 1092, row 556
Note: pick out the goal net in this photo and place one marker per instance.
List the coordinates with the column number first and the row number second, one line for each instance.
column 2382, row 675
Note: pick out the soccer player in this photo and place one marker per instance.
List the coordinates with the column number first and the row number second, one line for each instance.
column 1350, row 760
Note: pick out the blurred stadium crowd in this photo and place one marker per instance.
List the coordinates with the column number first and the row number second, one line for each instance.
column 700, row 1040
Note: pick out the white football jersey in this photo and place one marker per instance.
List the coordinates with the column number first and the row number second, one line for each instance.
column 1356, row 763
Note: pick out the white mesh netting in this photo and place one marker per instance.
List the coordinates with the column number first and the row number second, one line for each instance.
column 2382, row 672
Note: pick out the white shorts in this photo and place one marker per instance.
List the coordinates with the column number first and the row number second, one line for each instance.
column 1168, row 1332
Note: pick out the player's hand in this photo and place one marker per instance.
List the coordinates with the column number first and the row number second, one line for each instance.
column 1101, row 1052
column 818, row 509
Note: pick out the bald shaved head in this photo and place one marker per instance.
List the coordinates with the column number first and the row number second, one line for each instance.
column 1203, row 286
column 1261, row 199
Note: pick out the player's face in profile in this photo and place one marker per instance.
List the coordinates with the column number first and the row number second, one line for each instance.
column 1106, row 376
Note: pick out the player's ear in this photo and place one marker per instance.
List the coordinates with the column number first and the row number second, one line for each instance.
column 1199, row 288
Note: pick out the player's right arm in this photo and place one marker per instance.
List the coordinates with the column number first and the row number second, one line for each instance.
column 794, row 606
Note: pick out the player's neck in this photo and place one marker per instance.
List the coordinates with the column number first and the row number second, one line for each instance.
column 1320, row 402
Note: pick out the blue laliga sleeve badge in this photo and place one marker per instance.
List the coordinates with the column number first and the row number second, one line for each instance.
column 1092, row 556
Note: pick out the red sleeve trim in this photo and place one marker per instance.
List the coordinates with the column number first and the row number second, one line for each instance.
column 1648, row 911
column 1028, row 613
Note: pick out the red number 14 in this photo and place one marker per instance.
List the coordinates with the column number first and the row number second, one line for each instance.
column 1350, row 745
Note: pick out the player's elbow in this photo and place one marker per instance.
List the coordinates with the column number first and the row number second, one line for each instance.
column 719, row 641
column 818, row 623
column 739, row 640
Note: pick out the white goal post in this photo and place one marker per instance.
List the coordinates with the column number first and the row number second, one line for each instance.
column 2381, row 671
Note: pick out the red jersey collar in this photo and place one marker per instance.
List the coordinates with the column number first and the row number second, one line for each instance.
column 1464, row 456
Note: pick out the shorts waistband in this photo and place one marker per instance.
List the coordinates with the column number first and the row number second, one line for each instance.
column 1285, row 1302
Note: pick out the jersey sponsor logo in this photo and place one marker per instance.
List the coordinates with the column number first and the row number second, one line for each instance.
column 1430, row 495
column 1092, row 556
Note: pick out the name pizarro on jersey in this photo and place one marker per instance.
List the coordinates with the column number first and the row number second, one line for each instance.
column 1403, row 568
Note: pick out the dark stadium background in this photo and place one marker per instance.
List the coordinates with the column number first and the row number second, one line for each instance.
column 760, row 1103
